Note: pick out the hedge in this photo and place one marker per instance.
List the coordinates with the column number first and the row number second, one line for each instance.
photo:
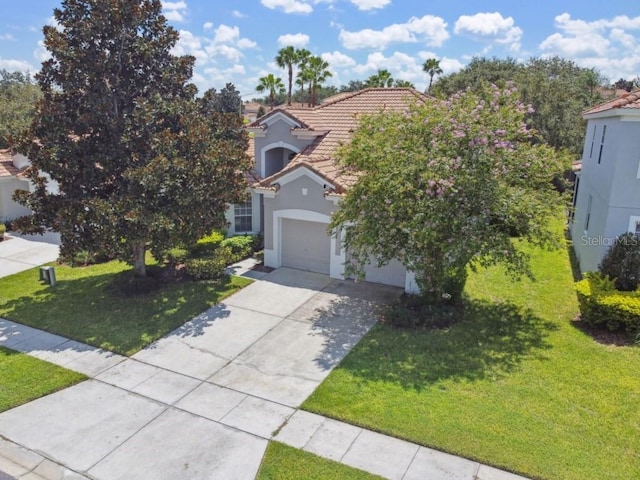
column 602, row 305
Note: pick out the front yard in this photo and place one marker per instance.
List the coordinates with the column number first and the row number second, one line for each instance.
column 513, row 384
column 84, row 306
column 24, row 378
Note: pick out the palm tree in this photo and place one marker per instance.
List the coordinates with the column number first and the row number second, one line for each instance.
column 288, row 57
column 382, row 79
column 317, row 71
column 432, row 67
column 303, row 59
column 403, row 84
column 273, row 85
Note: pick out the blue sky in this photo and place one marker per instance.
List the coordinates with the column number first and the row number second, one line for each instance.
column 236, row 40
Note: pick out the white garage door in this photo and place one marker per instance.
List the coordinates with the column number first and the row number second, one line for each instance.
column 305, row 245
column 394, row 273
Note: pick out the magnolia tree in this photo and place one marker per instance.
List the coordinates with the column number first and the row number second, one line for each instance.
column 448, row 185
column 139, row 163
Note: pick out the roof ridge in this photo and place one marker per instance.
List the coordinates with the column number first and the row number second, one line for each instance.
column 410, row 90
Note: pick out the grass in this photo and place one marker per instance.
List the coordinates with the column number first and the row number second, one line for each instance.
column 513, row 384
column 282, row 462
column 85, row 307
column 24, row 378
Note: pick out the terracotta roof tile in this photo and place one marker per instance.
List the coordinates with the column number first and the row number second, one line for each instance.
column 7, row 168
column 339, row 116
column 628, row 100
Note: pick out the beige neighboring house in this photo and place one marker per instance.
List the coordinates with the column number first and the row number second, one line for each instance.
column 12, row 166
column 298, row 184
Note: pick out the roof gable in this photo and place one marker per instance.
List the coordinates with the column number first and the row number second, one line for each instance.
column 626, row 104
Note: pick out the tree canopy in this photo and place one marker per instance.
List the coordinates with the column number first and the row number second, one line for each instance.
column 558, row 89
column 18, row 97
column 446, row 185
column 119, row 129
column 272, row 85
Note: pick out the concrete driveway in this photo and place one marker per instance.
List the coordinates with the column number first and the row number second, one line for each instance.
column 203, row 401
column 22, row 252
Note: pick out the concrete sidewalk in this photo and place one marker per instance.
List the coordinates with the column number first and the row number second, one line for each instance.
column 23, row 252
column 204, row 401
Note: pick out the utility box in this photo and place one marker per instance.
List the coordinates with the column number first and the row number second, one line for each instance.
column 48, row 275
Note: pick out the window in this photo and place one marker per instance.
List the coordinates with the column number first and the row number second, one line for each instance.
column 593, row 139
column 604, row 132
column 242, row 213
column 634, row 226
column 575, row 197
column 588, row 217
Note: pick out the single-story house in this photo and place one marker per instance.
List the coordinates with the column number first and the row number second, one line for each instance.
column 298, row 184
column 607, row 187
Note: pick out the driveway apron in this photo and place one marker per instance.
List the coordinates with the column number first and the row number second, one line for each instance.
column 203, row 401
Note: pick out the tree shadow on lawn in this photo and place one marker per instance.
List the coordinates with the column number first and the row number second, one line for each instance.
column 489, row 341
column 88, row 310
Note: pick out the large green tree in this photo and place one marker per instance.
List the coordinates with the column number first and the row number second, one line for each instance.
column 558, row 89
column 119, row 129
column 381, row 79
column 18, row 97
column 446, row 186
column 317, row 72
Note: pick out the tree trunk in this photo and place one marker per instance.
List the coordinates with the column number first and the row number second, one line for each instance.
column 139, row 266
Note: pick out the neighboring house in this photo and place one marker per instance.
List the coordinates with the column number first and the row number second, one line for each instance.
column 299, row 185
column 607, row 188
column 12, row 166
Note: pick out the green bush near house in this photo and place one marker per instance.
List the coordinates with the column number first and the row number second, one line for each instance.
column 602, row 304
column 207, row 245
column 241, row 246
column 205, row 268
column 3, row 230
column 622, row 262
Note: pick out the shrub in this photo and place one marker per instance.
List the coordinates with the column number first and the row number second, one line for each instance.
column 602, row 305
column 3, row 230
column 177, row 255
column 83, row 258
column 241, row 246
column 205, row 268
column 622, row 262
column 207, row 245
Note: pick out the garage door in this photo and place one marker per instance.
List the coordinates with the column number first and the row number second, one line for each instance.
column 394, row 273
column 305, row 245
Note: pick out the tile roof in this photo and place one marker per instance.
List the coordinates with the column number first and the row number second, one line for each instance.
column 7, row 168
column 339, row 117
column 628, row 100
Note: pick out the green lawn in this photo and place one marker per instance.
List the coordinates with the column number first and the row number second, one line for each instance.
column 24, row 378
column 282, row 462
column 514, row 384
column 84, row 307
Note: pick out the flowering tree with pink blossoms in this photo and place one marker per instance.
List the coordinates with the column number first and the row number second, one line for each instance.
column 446, row 186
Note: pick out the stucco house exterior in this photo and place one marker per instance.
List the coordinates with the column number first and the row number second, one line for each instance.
column 607, row 189
column 297, row 184
column 12, row 166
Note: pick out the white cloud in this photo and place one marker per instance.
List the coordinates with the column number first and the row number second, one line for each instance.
column 226, row 51
column 608, row 44
column 207, row 26
column 298, row 40
column 13, row 65
column 428, row 29
column 245, row 43
column 238, row 14
column 190, row 44
column 174, row 11
column 226, row 34
column 289, row 6
column 338, row 59
column 41, row 53
column 370, row 4
column 491, row 27
column 7, row 37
